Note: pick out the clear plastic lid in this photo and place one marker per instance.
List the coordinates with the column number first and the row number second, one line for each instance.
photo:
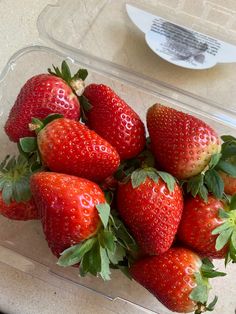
column 102, row 30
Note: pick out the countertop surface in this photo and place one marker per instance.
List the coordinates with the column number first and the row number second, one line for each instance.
column 20, row 292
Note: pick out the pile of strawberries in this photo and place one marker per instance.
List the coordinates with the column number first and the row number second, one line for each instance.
column 158, row 209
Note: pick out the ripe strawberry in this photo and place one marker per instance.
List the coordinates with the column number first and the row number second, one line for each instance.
column 178, row 279
column 113, row 119
column 15, row 197
column 42, row 95
column 198, row 221
column 18, row 211
column 229, row 183
column 77, row 223
column 67, row 206
column 69, row 147
column 151, row 209
column 182, row 144
column 209, row 227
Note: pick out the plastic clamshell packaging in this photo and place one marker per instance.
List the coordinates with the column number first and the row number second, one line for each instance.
column 22, row 243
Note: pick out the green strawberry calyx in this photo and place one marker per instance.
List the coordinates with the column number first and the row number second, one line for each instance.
column 140, row 168
column 105, row 250
column 139, row 176
column 200, row 292
column 209, row 180
column 227, row 230
column 76, row 82
column 15, row 174
column 28, row 146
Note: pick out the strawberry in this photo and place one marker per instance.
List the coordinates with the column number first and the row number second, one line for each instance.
column 182, row 144
column 198, row 221
column 150, row 204
column 18, row 211
column 178, row 279
column 113, row 119
column 69, row 147
column 42, row 95
column 229, row 183
column 15, row 197
column 216, row 221
column 77, row 223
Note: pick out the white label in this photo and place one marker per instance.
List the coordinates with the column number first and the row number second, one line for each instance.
column 179, row 45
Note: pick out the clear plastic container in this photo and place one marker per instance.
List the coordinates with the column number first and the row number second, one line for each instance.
column 24, row 241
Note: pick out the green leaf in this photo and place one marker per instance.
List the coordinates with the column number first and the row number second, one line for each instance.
column 107, row 240
column 84, row 102
column 228, row 149
column 209, row 273
column 211, row 306
column 214, row 183
column 65, row 70
column 123, row 235
column 4, row 162
column 28, row 144
column 168, row 179
column 91, row 261
column 233, row 239
column 227, row 138
column 152, row 175
column 105, row 263
column 138, row 177
column 82, row 74
column 104, row 213
column 223, row 238
column 74, row 254
column 226, row 225
column 200, row 292
column 118, row 254
column 227, row 167
column 214, row 160
column 207, row 262
column 203, row 192
column 232, row 203
column 223, row 213
column 7, row 193
column 194, row 184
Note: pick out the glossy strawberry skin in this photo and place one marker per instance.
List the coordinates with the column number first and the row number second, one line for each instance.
column 151, row 213
column 229, row 183
column 40, row 96
column 198, row 221
column 114, row 120
column 69, row 147
column 19, row 211
column 169, row 277
column 181, row 143
column 67, row 207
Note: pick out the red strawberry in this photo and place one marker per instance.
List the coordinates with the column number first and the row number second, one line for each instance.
column 182, row 144
column 178, row 279
column 42, row 95
column 114, row 120
column 69, row 147
column 198, row 221
column 151, row 209
column 15, row 197
column 77, row 223
column 229, row 183
column 209, row 227
column 18, row 211
column 67, row 207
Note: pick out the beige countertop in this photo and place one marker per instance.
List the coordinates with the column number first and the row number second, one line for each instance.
column 25, row 294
